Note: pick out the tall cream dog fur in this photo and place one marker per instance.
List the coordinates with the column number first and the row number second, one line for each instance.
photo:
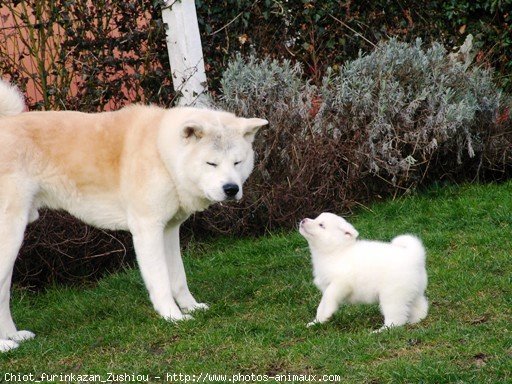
column 144, row 169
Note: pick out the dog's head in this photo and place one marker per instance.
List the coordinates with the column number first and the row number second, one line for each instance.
column 216, row 155
column 328, row 231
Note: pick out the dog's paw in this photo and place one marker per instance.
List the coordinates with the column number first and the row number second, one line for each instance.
column 202, row 307
column 384, row 328
column 196, row 307
column 22, row 336
column 7, row 345
column 312, row 323
column 180, row 317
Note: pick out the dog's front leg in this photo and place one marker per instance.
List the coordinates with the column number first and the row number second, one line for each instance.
column 331, row 299
column 178, row 278
column 148, row 240
column 13, row 220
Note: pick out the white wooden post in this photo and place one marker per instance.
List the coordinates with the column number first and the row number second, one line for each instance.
column 185, row 51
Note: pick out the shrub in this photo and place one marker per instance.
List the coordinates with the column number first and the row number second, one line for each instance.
column 411, row 106
column 390, row 121
column 58, row 247
column 278, row 86
column 76, row 55
column 324, row 33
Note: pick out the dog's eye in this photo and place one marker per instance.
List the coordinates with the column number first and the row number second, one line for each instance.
column 211, row 164
column 321, row 225
column 237, row 162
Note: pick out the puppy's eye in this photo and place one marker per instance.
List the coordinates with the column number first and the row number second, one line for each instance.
column 211, row 164
column 237, row 162
column 321, row 225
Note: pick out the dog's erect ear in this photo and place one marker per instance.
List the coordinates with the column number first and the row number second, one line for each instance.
column 192, row 129
column 251, row 126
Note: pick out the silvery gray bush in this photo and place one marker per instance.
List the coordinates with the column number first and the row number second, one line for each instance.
column 404, row 105
column 252, row 86
column 408, row 102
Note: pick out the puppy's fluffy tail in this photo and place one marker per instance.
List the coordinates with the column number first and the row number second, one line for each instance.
column 11, row 100
column 411, row 243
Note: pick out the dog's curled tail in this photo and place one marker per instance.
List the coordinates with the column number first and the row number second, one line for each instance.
column 411, row 243
column 11, row 100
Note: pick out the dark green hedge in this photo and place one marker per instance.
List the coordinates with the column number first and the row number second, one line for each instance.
column 326, row 33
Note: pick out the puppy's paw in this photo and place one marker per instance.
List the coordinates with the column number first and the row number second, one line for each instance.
column 381, row 329
column 22, row 336
column 196, row 307
column 312, row 323
column 8, row 345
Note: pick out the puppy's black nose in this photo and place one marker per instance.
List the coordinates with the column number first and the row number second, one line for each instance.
column 230, row 189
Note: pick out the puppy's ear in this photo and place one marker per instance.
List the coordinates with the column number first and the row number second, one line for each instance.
column 251, row 126
column 192, row 130
column 349, row 231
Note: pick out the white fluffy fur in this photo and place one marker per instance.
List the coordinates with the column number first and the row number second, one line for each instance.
column 143, row 169
column 11, row 100
column 348, row 270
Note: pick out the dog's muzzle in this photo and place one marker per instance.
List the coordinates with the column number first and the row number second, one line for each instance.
column 230, row 190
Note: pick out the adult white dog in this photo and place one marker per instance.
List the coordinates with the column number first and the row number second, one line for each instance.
column 144, row 169
column 361, row 271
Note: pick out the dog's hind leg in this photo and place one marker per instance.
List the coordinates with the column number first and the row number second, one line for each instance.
column 177, row 275
column 14, row 213
column 395, row 310
column 419, row 309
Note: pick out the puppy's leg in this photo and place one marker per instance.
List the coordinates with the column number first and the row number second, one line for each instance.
column 148, row 240
column 331, row 300
column 419, row 309
column 395, row 309
column 178, row 278
column 13, row 220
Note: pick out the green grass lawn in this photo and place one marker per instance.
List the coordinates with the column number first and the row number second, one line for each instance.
column 262, row 295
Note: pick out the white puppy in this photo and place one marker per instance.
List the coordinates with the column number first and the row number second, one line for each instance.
column 359, row 271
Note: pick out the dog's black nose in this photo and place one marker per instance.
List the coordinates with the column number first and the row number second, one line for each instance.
column 230, row 189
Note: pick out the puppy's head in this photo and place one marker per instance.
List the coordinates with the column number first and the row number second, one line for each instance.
column 328, row 231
